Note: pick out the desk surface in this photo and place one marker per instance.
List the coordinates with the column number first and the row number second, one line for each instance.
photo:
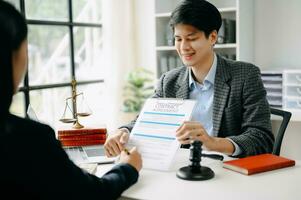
column 276, row 185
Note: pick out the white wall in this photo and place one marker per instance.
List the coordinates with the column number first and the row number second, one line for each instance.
column 277, row 30
column 291, row 144
column 145, row 35
column 277, row 34
column 120, row 54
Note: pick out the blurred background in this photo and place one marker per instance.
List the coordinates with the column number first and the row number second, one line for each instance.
column 101, row 42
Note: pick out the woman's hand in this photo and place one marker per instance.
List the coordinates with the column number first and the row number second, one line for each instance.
column 133, row 158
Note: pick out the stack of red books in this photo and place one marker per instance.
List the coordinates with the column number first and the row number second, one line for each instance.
column 82, row 137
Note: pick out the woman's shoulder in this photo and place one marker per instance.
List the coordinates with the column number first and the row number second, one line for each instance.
column 18, row 124
column 22, row 133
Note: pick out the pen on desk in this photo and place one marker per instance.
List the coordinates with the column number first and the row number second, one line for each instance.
column 126, row 151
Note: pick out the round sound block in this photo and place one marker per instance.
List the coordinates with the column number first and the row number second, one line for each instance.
column 195, row 174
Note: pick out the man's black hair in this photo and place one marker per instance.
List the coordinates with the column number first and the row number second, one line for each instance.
column 198, row 13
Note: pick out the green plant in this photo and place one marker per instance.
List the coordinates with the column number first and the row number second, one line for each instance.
column 138, row 88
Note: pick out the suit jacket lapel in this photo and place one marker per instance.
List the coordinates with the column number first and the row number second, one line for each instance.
column 183, row 85
column 221, row 93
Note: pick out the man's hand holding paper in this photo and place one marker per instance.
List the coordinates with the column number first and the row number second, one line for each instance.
column 191, row 130
column 115, row 143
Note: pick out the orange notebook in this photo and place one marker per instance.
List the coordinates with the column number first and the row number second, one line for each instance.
column 259, row 163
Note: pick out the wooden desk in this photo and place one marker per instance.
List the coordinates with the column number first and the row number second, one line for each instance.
column 279, row 184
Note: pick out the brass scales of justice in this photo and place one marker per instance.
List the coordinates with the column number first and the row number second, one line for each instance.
column 82, row 111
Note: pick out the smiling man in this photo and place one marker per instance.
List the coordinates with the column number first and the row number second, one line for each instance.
column 232, row 114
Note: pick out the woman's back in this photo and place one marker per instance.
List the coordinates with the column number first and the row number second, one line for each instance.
column 35, row 165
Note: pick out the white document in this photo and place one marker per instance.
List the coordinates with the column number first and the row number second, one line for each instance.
column 154, row 133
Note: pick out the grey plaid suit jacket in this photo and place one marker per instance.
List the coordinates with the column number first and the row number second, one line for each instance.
column 240, row 109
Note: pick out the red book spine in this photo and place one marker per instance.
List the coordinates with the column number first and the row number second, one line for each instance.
column 82, row 131
column 82, row 137
column 75, row 143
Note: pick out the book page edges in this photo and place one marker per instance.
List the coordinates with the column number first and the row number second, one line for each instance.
column 235, row 168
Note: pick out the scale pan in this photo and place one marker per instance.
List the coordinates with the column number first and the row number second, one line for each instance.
column 83, row 114
column 66, row 120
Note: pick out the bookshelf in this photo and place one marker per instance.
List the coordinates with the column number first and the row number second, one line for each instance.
column 240, row 12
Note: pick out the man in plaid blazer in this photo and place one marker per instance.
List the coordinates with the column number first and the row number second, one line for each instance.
column 232, row 115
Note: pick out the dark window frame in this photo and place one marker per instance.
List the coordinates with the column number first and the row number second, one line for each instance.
column 26, row 88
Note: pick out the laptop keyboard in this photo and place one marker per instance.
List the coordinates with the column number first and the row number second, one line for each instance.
column 88, row 154
column 94, row 152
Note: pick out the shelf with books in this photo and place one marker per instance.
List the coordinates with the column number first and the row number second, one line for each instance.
column 167, row 60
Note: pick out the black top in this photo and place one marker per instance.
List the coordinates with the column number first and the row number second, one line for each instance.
column 34, row 166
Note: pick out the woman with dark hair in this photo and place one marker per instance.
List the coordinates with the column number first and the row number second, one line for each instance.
column 33, row 164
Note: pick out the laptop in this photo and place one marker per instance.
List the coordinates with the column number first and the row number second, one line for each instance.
column 82, row 154
column 88, row 154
